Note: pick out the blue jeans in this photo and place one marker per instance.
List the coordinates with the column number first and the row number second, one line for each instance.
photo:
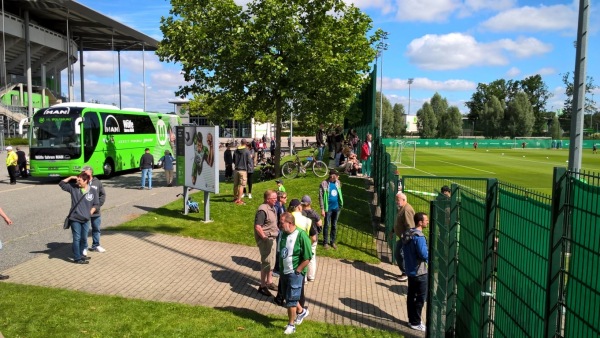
column 399, row 254
column 415, row 298
column 80, row 233
column 95, row 232
column 331, row 218
column 146, row 173
column 321, row 152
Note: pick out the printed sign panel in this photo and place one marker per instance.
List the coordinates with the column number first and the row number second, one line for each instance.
column 199, row 147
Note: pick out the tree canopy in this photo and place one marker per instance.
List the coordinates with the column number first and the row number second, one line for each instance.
column 269, row 58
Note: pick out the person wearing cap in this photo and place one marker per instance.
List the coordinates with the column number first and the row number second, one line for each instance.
column 146, row 165
column 280, row 186
column 11, row 164
column 241, row 160
column 22, row 162
column 95, row 220
column 309, row 212
column 331, row 202
column 167, row 163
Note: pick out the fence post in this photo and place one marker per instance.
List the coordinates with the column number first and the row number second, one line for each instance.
column 491, row 205
column 557, row 231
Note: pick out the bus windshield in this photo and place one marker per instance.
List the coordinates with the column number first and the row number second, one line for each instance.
column 54, row 137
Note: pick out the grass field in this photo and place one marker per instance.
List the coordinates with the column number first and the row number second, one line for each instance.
column 528, row 168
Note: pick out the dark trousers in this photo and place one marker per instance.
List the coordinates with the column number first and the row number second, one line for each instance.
column 248, row 184
column 228, row 171
column 12, row 172
column 415, row 298
column 23, row 169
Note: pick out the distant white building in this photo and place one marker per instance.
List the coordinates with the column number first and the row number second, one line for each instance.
column 411, row 124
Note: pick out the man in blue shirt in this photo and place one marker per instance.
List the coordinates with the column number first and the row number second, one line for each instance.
column 416, row 258
column 331, row 202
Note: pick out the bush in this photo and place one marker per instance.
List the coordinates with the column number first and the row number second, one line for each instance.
column 16, row 141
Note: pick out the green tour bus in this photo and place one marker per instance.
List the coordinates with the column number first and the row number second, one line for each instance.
column 65, row 137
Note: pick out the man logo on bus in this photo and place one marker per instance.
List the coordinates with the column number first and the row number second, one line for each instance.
column 162, row 134
column 111, row 125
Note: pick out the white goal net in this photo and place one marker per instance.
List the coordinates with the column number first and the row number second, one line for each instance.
column 532, row 142
column 403, row 153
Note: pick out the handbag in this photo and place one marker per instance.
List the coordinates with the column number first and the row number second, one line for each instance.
column 67, row 224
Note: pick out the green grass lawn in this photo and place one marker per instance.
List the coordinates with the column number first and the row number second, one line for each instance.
column 234, row 224
column 528, row 168
column 31, row 311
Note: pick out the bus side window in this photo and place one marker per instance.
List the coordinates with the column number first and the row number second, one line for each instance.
column 91, row 133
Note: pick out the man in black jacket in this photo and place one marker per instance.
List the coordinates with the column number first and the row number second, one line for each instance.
column 321, row 142
column 146, row 165
column 241, row 160
column 22, row 162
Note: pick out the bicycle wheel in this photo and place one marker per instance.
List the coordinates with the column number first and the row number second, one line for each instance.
column 289, row 169
column 320, row 168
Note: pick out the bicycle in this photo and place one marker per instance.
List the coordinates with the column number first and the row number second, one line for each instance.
column 291, row 169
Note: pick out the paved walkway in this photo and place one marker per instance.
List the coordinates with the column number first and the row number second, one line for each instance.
column 176, row 269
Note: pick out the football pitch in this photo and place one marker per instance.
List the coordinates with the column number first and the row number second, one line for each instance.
column 528, row 168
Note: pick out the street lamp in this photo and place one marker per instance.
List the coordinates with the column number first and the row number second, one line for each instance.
column 381, row 46
column 410, row 81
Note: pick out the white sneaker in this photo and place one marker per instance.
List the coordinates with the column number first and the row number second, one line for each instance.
column 100, row 249
column 250, row 196
column 275, row 274
column 85, row 252
column 243, row 195
column 419, row 327
column 300, row 317
column 289, row 329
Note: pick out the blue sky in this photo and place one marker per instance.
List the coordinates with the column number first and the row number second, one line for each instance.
column 447, row 46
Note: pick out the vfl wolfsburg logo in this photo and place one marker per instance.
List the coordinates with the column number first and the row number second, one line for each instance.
column 161, row 132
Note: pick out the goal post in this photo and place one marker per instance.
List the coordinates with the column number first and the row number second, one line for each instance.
column 404, row 153
column 533, row 142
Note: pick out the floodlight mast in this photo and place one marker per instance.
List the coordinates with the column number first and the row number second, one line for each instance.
column 579, row 88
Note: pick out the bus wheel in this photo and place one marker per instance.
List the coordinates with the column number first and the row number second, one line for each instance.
column 108, row 167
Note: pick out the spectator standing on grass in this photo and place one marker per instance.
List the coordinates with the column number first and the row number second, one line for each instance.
column 167, row 163
column 272, row 147
column 331, row 203
column 8, row 222
column 228, row 157
column 320, row 138
column 295, row 254
column 96, row 185
column 265, row 234
column 365, row 155
column 417, row 258
column 146, row 165
column 594, row 149
column 404, row 221
column 309, row 212
column 249, row 173
column 22, row 162
column 280, row 186
column 84, row 202
column 241, row 160
column 11, row 164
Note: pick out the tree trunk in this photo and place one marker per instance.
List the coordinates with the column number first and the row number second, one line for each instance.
column 278, row 114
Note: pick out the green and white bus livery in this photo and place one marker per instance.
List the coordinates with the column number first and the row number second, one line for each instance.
column 65, row 137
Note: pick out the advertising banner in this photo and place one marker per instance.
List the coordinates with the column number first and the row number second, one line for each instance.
column 197, row 157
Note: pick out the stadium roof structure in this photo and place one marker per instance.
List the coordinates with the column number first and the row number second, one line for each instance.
column 96, row 31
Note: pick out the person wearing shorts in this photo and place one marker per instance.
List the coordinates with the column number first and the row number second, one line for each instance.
column 295, row 253
column 265, row 234
column 241, row 159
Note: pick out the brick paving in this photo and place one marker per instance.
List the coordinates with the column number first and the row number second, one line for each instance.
column 184, row 270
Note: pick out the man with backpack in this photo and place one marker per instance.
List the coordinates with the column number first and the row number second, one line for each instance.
column 416, row 258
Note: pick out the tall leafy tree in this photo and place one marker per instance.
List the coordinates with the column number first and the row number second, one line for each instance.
column 568, row 79
column 271, row 56
column 538, row 94
column 453, row 123
column 388, row 115
column 439, row 105
column 520, row 118
column 399, row 120
column 555, row 128
column 492, row 118
column 427, row 121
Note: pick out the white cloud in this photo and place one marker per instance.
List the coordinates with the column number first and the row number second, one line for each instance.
column 496, row 5
column 457, row 50
column 428, row 84
column 386, row 6
column 426, row 10
column 546, row 71
column 513, row 72
column 528, row 19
